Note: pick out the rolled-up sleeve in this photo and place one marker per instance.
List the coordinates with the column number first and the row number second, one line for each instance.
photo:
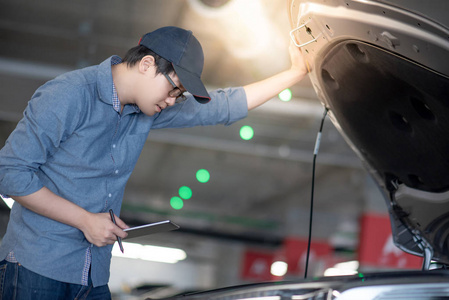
column 49, row 118
column 226, row 107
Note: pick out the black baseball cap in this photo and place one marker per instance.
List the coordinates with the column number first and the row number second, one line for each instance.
column 183, row 50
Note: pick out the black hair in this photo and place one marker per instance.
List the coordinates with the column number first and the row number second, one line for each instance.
column 134, row 55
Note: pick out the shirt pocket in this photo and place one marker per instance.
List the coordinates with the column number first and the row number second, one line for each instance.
column 132, row 146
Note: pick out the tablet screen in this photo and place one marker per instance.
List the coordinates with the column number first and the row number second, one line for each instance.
column 151, row 228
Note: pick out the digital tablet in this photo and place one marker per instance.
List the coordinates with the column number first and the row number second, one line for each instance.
column 151, row 228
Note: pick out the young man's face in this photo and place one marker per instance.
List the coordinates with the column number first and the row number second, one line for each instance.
column 153, row 91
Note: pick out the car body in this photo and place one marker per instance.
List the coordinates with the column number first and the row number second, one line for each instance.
column 410, row 285
column 381, row 69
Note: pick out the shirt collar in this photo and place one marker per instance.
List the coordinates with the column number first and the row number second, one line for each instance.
column 115, row 60
column 115, row 101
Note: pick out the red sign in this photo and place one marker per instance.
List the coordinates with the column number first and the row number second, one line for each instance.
column 295, row 252
column 257, row 265
column 376, row 247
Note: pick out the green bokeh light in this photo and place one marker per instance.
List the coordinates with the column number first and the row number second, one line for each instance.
column 185, row 192
column 202, row 175
column 176, row 203
column 246, row 132
column 285, row 95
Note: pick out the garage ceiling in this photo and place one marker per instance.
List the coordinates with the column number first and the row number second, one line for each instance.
column 259, row 191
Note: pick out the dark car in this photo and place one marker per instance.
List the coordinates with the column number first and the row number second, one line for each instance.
column 381, row 68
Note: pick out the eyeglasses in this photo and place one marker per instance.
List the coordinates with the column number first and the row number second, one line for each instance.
column 176, row 91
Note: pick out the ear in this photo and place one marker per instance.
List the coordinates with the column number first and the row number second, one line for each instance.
column 146, row 63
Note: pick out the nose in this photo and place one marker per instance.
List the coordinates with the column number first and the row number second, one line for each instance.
column 170, row 101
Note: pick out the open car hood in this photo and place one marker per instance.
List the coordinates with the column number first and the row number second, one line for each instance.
column 382, row 70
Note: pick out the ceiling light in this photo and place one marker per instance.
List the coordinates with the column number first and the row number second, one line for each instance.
column 203, row 175
column 279, row 268
column 185, row 192
column 344, row 268
column 176, row 203
column 246, row 132
column 149, row 253
column 285, row 95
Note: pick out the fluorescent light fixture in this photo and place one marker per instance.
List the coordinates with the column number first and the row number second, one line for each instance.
column 9, row 201
column 344, row 268
column 149, row 253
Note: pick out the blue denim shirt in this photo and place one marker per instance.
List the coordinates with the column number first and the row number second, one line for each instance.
column 73, row 142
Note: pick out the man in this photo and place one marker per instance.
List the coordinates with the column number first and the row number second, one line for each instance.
column 67, row 162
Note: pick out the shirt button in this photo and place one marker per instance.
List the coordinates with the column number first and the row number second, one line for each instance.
column 113, row 146
column 110, row 195
column 116, row 172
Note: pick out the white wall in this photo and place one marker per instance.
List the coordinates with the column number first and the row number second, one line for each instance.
column 128, row 273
